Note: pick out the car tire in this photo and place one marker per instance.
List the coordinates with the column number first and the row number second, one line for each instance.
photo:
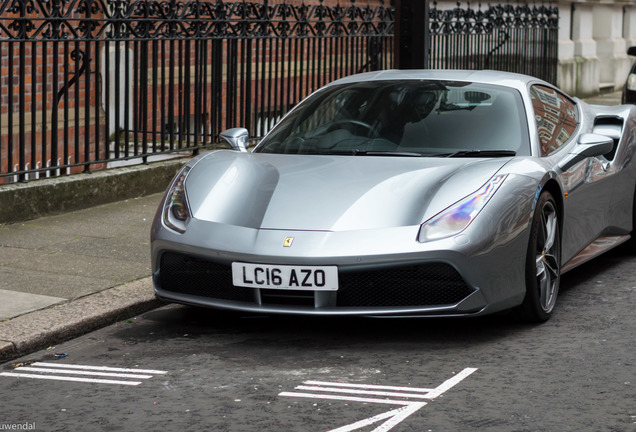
column 543, row 262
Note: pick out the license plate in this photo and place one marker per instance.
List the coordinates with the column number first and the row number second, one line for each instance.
column 312, row 278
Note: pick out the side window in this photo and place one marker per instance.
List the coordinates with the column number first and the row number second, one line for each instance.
column 556, row 117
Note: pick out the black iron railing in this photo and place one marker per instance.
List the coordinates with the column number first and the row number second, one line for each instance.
column 87, row 84
column 90, row 82
column 519, row 38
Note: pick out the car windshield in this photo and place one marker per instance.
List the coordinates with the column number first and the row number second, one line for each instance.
column 405, row 118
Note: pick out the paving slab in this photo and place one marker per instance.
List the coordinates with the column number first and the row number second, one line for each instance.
column 51, row 284
column 131, row 247
column 14, row 303
column 611, row 98
column 10, row 255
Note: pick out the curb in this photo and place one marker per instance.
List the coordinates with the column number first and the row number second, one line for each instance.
column 37, row 330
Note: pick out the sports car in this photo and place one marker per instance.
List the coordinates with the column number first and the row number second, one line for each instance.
column 402, row 194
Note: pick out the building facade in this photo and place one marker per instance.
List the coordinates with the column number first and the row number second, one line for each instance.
column 593, row 40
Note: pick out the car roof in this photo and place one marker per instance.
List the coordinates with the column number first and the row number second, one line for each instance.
column 507, row 79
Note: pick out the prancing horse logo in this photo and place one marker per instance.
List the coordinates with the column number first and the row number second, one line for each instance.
column 288, row 241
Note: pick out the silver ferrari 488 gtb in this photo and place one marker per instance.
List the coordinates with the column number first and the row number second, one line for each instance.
column 402, row 194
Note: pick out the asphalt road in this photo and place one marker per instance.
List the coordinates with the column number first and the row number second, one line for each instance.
column 212, row 371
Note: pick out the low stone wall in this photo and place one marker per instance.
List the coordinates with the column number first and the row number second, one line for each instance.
column 25, row 201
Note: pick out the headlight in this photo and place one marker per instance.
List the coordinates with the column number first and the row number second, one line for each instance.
column 458, row 216
column 631, row 82
column 176, row 212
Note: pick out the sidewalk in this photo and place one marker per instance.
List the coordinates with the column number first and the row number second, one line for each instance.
column 66, row 275
column 613, row 98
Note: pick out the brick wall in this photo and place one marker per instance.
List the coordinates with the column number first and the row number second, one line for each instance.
column 44, row 120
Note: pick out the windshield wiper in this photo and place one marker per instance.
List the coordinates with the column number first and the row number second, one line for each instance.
column 479, row 153
column 390, row 153
column 356, row 152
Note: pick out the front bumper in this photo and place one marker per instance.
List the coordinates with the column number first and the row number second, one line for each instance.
column 389, row 290
column 381, row 273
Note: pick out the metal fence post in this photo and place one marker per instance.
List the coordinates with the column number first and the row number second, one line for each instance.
column 411, row 34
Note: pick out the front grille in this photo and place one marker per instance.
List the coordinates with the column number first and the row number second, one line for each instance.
column 287, row 297
column 417, row 285
column 194, row 276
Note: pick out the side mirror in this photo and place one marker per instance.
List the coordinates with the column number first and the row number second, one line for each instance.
column 631, row 51
column 238, row 138
column 588, row 145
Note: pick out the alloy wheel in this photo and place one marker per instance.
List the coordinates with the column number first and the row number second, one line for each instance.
column 547, row 257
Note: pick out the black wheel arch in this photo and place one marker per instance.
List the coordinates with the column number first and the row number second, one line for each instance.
column 553, row 187
column 530, row 309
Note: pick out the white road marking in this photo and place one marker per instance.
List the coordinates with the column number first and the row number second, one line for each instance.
column 394, row 417
column 66, row 378
column 345, row 398
column 83, row 372
column 102, row 368
column 450, row 383
column 60, row 372
column 340, row 391
column 360, row 392
column 368, row 386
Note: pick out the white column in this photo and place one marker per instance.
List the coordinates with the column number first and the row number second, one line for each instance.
column 629, row 28
column 566, row 75
column 587, row 63
column 629, row 24
column 610, row 46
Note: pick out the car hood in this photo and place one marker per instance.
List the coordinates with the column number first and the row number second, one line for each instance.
column 329, row 193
